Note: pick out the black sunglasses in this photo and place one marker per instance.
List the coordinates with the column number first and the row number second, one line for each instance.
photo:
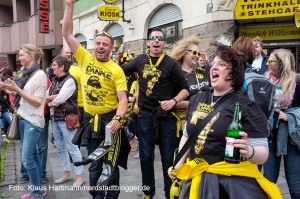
column 195, row 52
column 103, row 33
column 160, row 38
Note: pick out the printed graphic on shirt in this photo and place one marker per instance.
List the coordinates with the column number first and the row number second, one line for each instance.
column 201, row 112
column 203, row 135
column 100, row 83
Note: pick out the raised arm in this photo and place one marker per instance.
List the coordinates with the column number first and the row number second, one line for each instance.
column 67, row 26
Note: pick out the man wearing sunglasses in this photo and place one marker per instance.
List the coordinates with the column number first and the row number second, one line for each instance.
column 101, row 73
column 161, row 86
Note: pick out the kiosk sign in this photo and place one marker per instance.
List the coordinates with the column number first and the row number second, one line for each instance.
column 109, row 13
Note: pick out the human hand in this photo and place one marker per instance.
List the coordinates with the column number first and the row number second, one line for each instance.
column 245, row 149
column 70, row 2
column 282, row 116
column 172, row 173
column 114, row 126
column 10, row 85
column 167, row 104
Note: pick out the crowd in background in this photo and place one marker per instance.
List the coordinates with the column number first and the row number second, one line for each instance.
column 159, row 103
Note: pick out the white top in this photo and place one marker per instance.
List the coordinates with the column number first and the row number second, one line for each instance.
column 256, row 65
column 36, row 86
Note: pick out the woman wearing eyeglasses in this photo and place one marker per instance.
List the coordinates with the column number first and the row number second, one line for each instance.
column 220, row 179
column 187, row 53
column 285, row 137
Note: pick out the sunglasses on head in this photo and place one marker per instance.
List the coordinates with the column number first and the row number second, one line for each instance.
column 270, row 61
column 103, row 33
column 195, row 52
column 160, row 38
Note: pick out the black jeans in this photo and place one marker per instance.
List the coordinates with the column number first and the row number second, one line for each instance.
column 96, row 169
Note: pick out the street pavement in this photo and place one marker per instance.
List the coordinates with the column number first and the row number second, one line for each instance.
column 130, row 180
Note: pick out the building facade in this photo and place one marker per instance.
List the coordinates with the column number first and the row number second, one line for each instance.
column 29, row 21
column 210, row 20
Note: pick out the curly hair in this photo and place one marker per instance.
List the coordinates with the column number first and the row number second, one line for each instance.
column 245, row 45
column 181, row 46
column 237, row 60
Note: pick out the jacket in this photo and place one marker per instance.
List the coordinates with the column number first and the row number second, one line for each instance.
column 293, row 129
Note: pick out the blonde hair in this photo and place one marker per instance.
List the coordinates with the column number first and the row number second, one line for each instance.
column 182, row 45
column 259, row 40
column 287, row 76
column 31, row 49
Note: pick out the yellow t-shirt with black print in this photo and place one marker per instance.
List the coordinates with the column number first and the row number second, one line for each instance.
column 134, row 89
column 100, row 82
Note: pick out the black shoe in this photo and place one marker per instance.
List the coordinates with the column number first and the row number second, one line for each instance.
column 24, row 179
column 44, row 180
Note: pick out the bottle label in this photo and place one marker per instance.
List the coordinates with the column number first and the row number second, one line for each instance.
column 229, row 147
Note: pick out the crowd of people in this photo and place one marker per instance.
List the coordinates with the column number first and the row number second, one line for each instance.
column 160, row 103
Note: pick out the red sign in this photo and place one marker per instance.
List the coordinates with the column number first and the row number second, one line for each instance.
column 43, row 6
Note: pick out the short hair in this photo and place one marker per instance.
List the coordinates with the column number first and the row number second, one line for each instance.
column 245, row 45
column 31, row 49
column 62, row 61
column 237, row 60
column 258, row 39
column 156, row 29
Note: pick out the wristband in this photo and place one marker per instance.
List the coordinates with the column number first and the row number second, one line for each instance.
column 175, row 100
column 118, row 118
column 252, row 153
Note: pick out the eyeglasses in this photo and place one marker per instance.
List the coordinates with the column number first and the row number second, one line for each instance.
column 270, row 61
column 220, row 64
column 103, row 33
column 195, row 52
column 160, row 38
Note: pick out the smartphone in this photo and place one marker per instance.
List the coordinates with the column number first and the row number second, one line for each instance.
column 7, row 81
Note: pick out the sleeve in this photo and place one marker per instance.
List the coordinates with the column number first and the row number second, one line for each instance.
column 40, row 88
column 254, row 120
column 65, row 93
column 131, row 67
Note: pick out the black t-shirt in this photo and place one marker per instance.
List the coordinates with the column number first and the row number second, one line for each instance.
column 171, row 80
column 197, row 86
column 211, row 142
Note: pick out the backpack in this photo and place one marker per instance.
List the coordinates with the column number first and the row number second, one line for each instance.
column 259, row 89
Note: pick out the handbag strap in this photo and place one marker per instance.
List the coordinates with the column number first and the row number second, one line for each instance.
column 229, row 98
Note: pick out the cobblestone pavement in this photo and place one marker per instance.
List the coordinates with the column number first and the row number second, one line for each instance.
column 130, row 178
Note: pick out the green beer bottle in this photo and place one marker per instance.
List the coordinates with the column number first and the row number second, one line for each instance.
column 232, row 154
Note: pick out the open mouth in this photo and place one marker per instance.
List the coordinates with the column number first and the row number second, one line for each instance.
column 214, row 76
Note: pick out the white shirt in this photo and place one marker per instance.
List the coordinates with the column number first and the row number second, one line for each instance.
column 37, row 87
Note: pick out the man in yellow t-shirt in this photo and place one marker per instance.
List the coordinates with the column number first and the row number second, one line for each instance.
column 104, row 97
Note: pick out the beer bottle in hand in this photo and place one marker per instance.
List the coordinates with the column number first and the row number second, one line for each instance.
column 232, row 154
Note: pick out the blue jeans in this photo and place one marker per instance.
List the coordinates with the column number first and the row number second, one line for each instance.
column 167, row 145
column 29, row 135
column 5, row 116
column 291, row 162
column 43, row 148
column 63, row 138
column 96, row 169
column 42, row 151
